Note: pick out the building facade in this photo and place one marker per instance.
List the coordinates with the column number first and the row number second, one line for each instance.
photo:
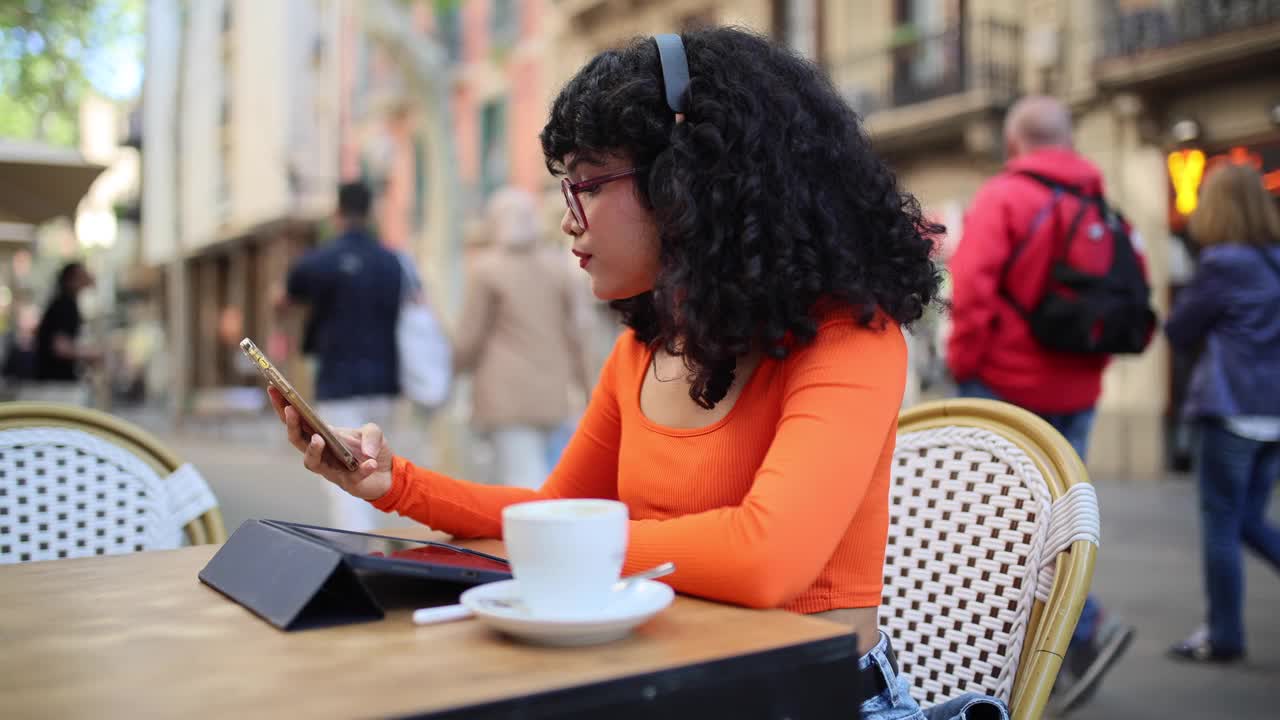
column 239, row 137
column 1145, row 80
column 436, row 133
column 1148, row 81
column 254, row 112
column 1201, row 79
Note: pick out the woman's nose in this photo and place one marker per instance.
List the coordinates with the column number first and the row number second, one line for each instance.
column 569, row 224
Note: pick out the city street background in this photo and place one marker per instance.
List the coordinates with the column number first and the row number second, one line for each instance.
column 189, row 152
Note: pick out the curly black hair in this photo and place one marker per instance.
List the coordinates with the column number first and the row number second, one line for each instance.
column 768, row 199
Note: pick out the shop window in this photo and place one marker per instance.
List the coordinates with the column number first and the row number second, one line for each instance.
column 419, row 183
column 449, row 29
column 504, row 22
column 493, row 146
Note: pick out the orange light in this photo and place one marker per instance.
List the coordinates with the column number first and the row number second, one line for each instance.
column 1242, row 156
column 1271, row 181
column 1186, row 170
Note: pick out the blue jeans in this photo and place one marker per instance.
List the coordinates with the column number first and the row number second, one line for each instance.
column 1236, row 477
column 895, row 702
column 1075, row 428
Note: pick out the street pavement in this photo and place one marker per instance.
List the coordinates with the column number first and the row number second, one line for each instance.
column 1148, row 573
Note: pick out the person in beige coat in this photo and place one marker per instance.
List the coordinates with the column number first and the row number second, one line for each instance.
column 519, row 337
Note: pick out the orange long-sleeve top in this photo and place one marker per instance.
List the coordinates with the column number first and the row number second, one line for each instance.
column 782, row 503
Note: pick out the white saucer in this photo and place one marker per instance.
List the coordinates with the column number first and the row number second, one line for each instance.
column 498, row 605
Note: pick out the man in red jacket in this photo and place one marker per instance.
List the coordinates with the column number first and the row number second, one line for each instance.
column 991, row 351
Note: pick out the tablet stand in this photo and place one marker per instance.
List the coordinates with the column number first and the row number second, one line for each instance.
column 288, row 580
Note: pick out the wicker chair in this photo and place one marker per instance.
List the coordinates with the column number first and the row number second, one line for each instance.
column 992, row 540
column 77, row 482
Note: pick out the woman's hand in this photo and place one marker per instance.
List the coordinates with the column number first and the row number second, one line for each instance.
column 370, row 481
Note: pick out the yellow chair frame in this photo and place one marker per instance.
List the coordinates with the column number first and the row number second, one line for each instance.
column 1051, row 624
column 208, row 528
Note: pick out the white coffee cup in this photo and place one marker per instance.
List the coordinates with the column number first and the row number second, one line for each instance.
column 566, row 555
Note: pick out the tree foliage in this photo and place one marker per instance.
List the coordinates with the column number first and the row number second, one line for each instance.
column 50, row 50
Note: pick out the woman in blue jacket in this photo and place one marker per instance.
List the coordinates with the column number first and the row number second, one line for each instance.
column 1233, row 307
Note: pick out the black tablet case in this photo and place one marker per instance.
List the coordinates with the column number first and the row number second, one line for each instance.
column 290, row 580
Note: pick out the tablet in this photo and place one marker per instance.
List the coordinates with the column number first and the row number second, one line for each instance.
column 402, row 556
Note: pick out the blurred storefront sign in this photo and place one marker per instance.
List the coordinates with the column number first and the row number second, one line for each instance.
column 1188, row 168
column 1186, row 172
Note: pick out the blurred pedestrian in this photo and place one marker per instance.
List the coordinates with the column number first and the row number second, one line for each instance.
column 20, row 345
column 1040, row 219
column 1232, row 307
column 352, row 287
column 520, row 320
column 60, row 354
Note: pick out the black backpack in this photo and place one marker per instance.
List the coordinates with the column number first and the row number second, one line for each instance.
column 1080, row 311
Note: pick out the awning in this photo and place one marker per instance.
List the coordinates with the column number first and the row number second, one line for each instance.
column 14, row 236
column 41, row 182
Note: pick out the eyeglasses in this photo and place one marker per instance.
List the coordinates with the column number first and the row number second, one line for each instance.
column 571, row 191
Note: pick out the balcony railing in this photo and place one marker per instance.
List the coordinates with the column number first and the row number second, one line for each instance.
column 1133, row 31
column 912, row 70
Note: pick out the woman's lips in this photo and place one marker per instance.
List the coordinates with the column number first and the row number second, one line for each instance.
column 583, row 259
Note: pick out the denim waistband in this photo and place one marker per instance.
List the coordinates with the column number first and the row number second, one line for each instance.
column 882, row 661
column 881, row 655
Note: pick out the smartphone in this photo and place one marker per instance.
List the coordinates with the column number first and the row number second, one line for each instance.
column 275, row 379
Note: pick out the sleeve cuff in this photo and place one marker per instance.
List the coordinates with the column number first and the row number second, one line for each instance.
column 400, row 469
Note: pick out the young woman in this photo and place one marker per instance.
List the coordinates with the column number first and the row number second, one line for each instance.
column 763, row 259
column 1230, row 307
